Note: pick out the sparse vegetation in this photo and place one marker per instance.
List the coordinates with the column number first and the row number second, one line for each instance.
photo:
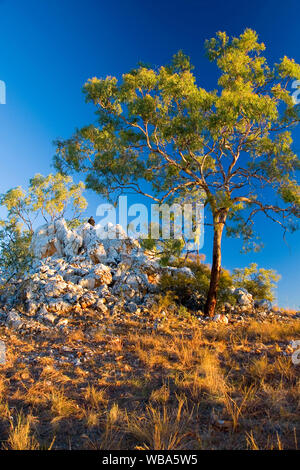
column 182, row 386
column 123, row 344
column 192, row 292
column 46, row 199
column 259, row 282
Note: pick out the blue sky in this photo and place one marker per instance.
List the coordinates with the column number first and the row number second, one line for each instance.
column 50, row 48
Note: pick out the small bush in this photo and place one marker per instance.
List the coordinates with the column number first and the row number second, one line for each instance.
column 47, row 197
column 15, row 255
column 192, row 292
column 259, row 282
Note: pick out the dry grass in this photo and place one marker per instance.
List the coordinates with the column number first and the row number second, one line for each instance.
column 274, row 331
column 162, row 429
column 62, row 406
column 96, row 398
column 161, row 395
column 181, row 386
column 20, row 436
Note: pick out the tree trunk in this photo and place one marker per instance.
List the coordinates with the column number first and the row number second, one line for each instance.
column 219, row 222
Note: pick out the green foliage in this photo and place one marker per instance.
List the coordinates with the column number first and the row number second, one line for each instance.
column 228, row 144
column 169, row 248
column 48, row 197
column 15, row 256
column 192, row 292
column 164, row 249
column 233, row 144
column 52, row 195
column 259, row 282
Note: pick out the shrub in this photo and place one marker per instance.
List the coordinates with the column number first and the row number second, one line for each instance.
column 259, row 282
column 15, row 255
column 47, row 198
column 192, row 292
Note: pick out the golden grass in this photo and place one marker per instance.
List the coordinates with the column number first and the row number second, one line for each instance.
column 92, row 418
column 273, row 331
column 95, row 397
column 39, row 393
column 62, row 406
column 260, row 368
column 20, row 435
column 161, row 395
column 183, row 386
column 111, row 437
column 161, row 429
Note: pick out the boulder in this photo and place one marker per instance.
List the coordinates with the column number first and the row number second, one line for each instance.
column 263, row 304
column 13, row 320
column 86, row 268
column 244, row 299
column 183, row 271
column 220, row 318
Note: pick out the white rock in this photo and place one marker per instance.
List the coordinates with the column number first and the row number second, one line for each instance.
column 70, row 240
column 87, row 282
column 82, row 268
column 132, row 307
column 220, row 318
column 49, row 317
column 13, row 320
column 63, row 322
column 99, row 305
column 263, row 304
column 183, row 271
column 44, row 242
column 243, row 297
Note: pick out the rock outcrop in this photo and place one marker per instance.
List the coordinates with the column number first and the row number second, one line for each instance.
column 244, row 299
column 92, row 268
column 78, row 269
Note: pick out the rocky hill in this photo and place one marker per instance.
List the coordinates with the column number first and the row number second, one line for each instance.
column 92, row 358
column 74, row 270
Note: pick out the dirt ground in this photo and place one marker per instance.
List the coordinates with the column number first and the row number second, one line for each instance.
column 162, row 381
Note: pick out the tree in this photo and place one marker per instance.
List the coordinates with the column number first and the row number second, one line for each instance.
column 48, row 197
column 15, row 254
column 164, row 249
column 234, row 143
column 192, row 291
column 259, row 282
column 168, row 248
